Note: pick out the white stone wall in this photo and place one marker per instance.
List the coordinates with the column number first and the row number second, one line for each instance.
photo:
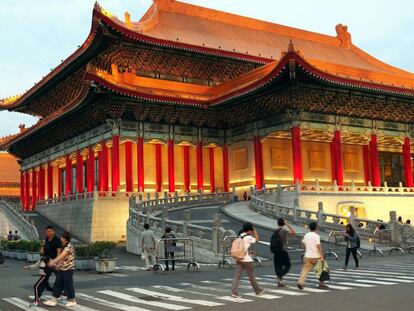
column 98, row 219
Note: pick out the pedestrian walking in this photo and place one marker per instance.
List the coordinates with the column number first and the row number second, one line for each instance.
column 51, row 248
column 10, row 236
column 313, row 254
column 148, row 247
column 65, row 265
column 244, row 261
column 352, row 245
column 16, row 236
column 278, row 246
column 169, row 246
column 41, row 283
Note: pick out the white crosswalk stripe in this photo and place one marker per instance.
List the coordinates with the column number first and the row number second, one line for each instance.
column 213, row 293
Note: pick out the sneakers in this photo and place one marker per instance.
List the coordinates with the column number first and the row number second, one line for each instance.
column 235, row 295
column 300, row 286
column 345, row 268
column 261, row 292
column 32, row 297
column 323, row 286
column 70, row 303
column 51, row 303
column 35, row 304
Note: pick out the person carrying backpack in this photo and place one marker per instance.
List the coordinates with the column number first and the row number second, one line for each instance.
column 278, row 245
column 352, row 245
column 240, row 251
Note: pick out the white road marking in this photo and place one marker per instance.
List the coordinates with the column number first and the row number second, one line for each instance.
column 356, row 284
column 226, row 297
column 174, row 298
column 108, row 303
column 24, row 305
column 263, row 296
column 375, row 282
column 130, row 298
column 78, row 307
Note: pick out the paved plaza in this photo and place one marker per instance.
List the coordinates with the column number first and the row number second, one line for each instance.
column 381, row 284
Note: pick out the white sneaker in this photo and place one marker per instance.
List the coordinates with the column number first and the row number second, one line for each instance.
column 70, row 303
column 31, row 297
column 51, row 303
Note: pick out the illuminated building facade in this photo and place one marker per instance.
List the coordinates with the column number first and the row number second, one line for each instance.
column 193, row 99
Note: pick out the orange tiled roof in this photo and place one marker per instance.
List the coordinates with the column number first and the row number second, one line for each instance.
column 9, row 168
column 191, row 24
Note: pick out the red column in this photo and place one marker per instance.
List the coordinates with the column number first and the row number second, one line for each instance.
column 68, row 179
column 171, row 174
column 186, row 157
column 158, row 168
column 41, row 183
column 140, row 163
column 212, row 176
column 337, row 153
column 129, row 187
column 79, row 172
column 49, row 181
column 200, row 173
column 27, row 191
column 407, row 163
column 60, row 190
column 258, row 162
column 100, row 171
column 375, row 174
column 90, row 170
column 226, row 169
column 365, row 153
column 297, row 155
column 34, row 189
column 22, row 188
column 105, row 186
column 333, row 161
column 115, row 163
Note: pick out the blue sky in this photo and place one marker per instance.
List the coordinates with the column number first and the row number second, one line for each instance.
column 36, row 35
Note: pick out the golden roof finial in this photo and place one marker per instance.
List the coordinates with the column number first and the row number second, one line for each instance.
column 127, row 17
column 343, row 35
column 291, row 47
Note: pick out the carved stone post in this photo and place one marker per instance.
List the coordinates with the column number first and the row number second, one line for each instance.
column 295, row 207
column 278, row 193
column 187, row 221
column 132, row 204
column 319, row 215
column 352, row 216
column 217, row 227
column 393, row 225
column 164, row 217
column 234, row 194
column 157, row 200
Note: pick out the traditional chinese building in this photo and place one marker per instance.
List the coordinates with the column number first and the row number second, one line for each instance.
column 9, row 173
column 190, row 98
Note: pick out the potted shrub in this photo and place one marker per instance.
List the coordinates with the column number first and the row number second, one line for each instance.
column 104, row 263
column 84, row 260
column 4, row 245
column 12, row 249
column 33, row 249
column 21, row 249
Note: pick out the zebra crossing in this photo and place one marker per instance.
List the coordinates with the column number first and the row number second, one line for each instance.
column 208, row 294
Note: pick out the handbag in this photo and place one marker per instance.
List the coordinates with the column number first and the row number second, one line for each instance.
column 325, row 276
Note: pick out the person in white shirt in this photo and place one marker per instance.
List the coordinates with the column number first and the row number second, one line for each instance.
column 313, row 253
column 249, row 236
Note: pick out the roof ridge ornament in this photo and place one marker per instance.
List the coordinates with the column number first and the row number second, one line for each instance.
column 344, row 36
column 290, row 49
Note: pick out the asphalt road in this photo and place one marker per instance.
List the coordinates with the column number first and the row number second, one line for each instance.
column 383, row 284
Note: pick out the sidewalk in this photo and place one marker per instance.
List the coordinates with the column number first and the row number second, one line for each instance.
column 241, row 212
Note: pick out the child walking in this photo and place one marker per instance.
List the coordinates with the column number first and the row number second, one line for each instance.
column 42, row 282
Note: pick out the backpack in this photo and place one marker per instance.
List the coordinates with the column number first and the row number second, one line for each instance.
column 276, row 243
column 238, row 252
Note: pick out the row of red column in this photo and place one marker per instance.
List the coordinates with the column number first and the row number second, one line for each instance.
column 370, row 159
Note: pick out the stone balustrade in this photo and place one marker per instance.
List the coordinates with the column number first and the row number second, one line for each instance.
column 26, row 229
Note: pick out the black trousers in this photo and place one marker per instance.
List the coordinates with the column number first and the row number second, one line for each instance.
column 354, row 254
column 170, row 256
column 64, row 281
column 49, row 272
column 40, row 286
column 282, row 263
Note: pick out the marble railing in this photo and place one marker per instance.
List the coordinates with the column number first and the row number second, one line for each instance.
column 326, row 221
column 352, row 188
column 25, row 227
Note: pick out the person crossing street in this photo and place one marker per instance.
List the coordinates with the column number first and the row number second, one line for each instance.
column 278, row 246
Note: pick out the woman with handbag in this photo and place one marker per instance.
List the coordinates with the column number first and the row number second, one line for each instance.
column 352, row 245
